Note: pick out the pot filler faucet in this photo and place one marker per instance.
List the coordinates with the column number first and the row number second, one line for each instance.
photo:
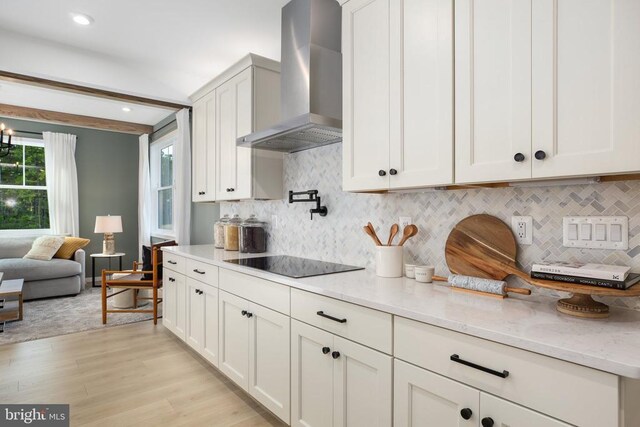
column 312, row 196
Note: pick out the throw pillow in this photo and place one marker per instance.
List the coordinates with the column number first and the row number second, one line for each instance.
column 70, row 246
column 45, row 247
column 146, row 262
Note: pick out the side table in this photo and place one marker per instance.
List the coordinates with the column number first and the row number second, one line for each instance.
column 10, row 290
column 101, row 255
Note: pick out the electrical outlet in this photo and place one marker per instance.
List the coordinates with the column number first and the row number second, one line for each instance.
column 403, row 221
column 522, row 227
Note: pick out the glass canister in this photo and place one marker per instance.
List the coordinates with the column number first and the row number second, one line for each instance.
column 253, row 236
column 218, row 231
column 232, row 233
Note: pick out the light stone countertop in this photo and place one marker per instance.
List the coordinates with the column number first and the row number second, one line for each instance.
column 533, row 324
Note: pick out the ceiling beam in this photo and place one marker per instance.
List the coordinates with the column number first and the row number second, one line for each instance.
column 88, row 91
column 73, row 119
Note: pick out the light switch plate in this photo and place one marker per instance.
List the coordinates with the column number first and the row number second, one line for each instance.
column 596, row 232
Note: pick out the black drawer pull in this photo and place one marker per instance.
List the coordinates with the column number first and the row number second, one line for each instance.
column 195, row 270
column 335, row 319
column 456, row 358
column 172, row 262
column 171, row 279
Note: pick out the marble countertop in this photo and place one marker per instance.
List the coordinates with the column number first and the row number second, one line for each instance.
column 529, row 323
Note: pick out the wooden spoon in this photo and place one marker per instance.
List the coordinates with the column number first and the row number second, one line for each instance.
column 375, row 235
column 409, row 232
column 392, row 233
column 372, row 234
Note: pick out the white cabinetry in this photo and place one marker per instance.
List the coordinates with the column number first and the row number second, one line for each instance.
column 174, row 307
column 254, row 351
column 398, row 94
column 336, row 382
column 202, row 319
column 243, row 99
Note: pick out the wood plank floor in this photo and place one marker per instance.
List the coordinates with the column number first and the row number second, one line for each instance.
column 128, row 375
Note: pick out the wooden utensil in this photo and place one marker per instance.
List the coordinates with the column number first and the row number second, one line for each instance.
column 372, row 233
column 392, row 233
column 408, row 232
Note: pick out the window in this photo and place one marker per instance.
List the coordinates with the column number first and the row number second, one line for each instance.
column 23, row 190
column 162, row 185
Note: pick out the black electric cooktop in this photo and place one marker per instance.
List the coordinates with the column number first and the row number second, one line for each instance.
column 293, row 266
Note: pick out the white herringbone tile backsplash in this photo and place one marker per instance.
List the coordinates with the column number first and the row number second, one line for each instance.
column 338, row 237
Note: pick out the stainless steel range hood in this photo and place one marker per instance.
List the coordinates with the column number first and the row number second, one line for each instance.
column 311, row 80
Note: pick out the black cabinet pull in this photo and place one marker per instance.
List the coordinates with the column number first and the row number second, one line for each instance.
column 466, row 413
column 244, row 312
column 540, row 155
column 172, row 262
column 325, row 350
column 197, row 291
column 195, row 270
column 171, row 279
column 335, row 354
column 456, row 358
column 393, row 172
column 249, row 315
column 519, row 157
column 201, row 193
column 382, row 172
column 487, row 422
column 335, row 319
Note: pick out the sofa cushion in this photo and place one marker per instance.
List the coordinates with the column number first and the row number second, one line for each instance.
column 34, row 269
column 45, row 247
column 15, row 247
column 70, row 246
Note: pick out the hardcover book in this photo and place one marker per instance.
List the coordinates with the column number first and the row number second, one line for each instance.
column 592, row 271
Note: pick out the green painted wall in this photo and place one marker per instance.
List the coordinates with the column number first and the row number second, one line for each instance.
column 107, row 164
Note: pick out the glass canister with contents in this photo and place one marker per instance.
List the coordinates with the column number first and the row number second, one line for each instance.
column 218, row 231
column 253, row 236
column 231, row 233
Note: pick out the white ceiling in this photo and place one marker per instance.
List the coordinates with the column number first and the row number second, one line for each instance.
column 162, row 49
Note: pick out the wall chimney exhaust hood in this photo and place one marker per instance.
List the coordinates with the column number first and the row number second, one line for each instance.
column 311, row 80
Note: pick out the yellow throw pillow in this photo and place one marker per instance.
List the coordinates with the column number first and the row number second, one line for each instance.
column 70, row 246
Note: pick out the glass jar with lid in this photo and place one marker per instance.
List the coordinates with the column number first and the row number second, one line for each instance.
column 218, row 231
column 253, row 236
column 231, row 233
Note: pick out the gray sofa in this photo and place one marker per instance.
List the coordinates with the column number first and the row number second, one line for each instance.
column 42, row 279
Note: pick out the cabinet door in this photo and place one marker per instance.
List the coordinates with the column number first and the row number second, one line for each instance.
column 269, row 352
column 169, row 302
column 493, row 90
column 311, row 376
column 422, row 68
column 210, row 335
column 234, row 118
column 586, row 90
column 425, row 399
column 195, row 314
column 203, row 149
column 367, row 127
column 362, row 380
column 180, row 328
column 234, row 338
column 507, row 414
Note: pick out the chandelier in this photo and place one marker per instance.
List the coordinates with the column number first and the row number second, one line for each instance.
column 5, row 147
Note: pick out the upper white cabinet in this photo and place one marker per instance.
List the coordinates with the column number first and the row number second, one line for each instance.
column 546, row 89
column 243, row 99
column 398, row 94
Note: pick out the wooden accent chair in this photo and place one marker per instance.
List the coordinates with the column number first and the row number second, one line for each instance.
column 126, row 280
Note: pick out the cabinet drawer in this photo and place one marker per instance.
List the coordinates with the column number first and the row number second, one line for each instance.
column 203, row 272
column 173, row 262
column 369, row 327
column 566, row 391
column 269, row 294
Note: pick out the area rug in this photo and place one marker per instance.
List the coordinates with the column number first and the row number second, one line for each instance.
column 60, row 316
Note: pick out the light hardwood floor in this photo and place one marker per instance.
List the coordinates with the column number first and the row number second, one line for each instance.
column 135, row 374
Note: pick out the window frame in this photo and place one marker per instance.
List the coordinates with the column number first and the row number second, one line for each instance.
column 155, row 169
column 25, row 142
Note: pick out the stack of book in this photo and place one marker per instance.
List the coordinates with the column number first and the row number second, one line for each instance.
column 606, row 276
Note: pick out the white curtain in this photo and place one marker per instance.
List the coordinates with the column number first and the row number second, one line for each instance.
column 144, row 195
column 182, row 169
column 62, row 183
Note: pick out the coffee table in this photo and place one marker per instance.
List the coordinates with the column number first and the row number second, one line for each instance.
column 10, row 301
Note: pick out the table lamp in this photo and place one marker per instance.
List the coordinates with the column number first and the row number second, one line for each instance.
column 108, row 225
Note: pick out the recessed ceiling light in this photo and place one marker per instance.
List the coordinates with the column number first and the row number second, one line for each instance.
column 126, row 109
column 81, row 19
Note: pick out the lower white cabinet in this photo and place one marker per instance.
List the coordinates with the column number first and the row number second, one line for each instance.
column 174, row 303
column 254, row 351
column 202, row 319
column 423, row 398
column 336, row 382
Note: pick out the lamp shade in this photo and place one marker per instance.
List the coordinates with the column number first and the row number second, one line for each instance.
column 108, row 224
